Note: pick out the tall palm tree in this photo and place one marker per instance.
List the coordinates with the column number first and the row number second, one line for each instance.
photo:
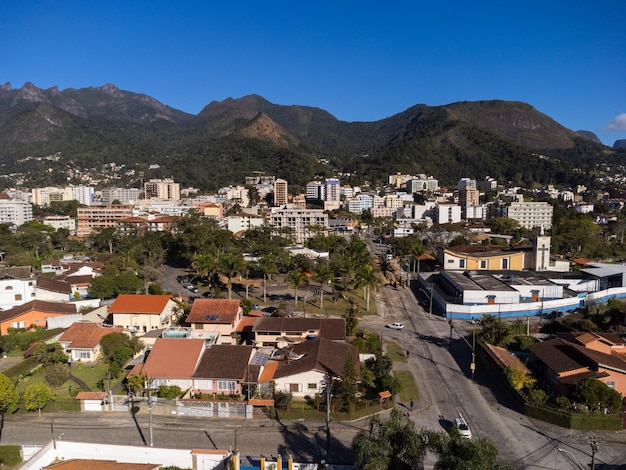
column 231, row 264
column 367, row 278
column 417, row 250
column 296, row 278
column 322, row 274
column 205, row 265
column 267, row 264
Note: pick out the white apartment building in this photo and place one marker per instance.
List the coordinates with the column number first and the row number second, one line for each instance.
column 447, row 213
column 333, row 190
column 61, row 221
column 476, row 212
column 531, row 214
column 315, row 190
column 123, row 195
column 44, row 196
column 15, row 211
column 242, row 222
column 162, row 189
column 303, row 223
column 85, row 195
column 421, row 183
column 237, row 193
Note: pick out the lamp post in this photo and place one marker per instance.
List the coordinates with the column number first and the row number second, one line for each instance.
column 148, row 386
column 430, row 301
column 329, row 387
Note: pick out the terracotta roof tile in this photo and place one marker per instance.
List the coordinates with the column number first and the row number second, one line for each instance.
column 83, row 335
column 245, row 322
column 173, row 358
column 267, row 374
column 321, row 355
column 54, row 285
column 91, row 396
column 139, row 303
column 214, row 311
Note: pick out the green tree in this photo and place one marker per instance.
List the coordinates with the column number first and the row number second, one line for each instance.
column 381, row 366
column 268, row 266
column 169, row 392
column 231, row 264
column 118, row 347
column 367, row 278
column 348, row 385
column 597, row 395
column 37, row 396
column 393, row 444
column 9, row 396
column 322, row 274
column 495, row 330
column 351, row 315
column 56, row 374
column 50, row 353
column 296, row 278
column 456, row 452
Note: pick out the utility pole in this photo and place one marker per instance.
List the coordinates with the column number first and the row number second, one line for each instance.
column 595, row 449
column 148, row 386
column 473, row 364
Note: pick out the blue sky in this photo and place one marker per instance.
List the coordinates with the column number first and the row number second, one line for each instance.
column 361, row 61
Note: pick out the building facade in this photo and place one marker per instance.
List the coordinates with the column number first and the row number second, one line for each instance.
column 302, row 223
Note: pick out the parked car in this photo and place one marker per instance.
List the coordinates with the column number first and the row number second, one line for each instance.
column 207, row 295
column 270, row 309
column 463, row 427
column 255, row 307
column 395, row 326
column 191, row 288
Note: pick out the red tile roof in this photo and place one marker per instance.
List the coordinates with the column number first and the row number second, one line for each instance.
column 224, row 361
column 245, row 322
column 214, row 311
column 91, row 396
column 83, row 335
column 139, row 303
column 173, row 358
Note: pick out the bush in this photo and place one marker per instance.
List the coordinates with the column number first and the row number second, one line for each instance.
column 56, row 374
column 169, row 392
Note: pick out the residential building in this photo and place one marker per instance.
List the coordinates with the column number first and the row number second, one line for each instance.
column 563, row 362
column 332, row 190
column 85, row 195
column 304, row 368
column 236, row 195
column 280, row 332
column 447, row 213
column 224, row 369
column 44, row 196
column 172, row 362
column 150, row 223
column 481, row 257
column 528, row 214
column 422, row 183
column 215, row 320
column 301, row 223
column 315, row 191
column 211, row 210
column 465, row 182
column 242, row 222
column 33, row 314
column 162, row 189
column 121, row 195
column 17, row 286
column 138, row 313
column 468, row 196
column 15, row 211
column 81, row 341
column 398, row 180
column 61, row 221
column 93, row 219
column 488, row 184
column 281, row 193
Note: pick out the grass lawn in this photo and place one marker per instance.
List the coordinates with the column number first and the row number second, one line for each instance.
column 409, row 390
column 395, row 352
column 91, row 375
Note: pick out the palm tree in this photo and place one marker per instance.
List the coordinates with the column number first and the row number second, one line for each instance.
column 205, row 265
column 296, row 278
column 367, row 278
column 231, row 264
column 267, row 264
column 391, row 444
column 417, row 250
column 323, row 275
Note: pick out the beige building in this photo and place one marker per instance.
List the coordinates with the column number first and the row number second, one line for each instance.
column 302, row 223
column 280, row 192
column 93, row 219
column 162, row 189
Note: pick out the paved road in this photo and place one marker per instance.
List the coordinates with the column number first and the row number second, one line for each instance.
column 443, row 375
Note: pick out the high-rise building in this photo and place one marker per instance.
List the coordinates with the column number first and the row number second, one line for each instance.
column 333, row 190
column 302, row 223
column 15, row 211
column 280, row 192
column 165, row 189
column 123, row 195
column 315, row 191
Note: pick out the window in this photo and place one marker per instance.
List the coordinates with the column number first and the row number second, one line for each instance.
column 483, row 264
column 294, row 387
column 505, row 263
column 199, row 326
column 610, row 384
column 226, row 385
column 18, row 296
column 462, row 263
column 84, row 355
column 450, row 261
column 311, row 386
column 8, row 288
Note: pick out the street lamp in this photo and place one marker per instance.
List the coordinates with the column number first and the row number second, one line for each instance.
column 430, row 300
column 329, row 386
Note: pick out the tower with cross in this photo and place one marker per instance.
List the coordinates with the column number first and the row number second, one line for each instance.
column 541, row 251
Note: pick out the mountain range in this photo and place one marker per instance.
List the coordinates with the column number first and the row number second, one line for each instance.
column 87, row 127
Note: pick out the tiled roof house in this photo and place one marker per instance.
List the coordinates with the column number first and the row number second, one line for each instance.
column 280, row 332
column 33, row 313
column 82, row 341
column 215, row 320
column 173, row 361
column 139, row 313
column 224, row 368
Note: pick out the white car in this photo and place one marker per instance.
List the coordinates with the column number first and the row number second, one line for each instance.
column 462, row 426
column 395, row 326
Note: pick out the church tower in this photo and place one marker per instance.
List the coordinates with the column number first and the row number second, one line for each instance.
column 541, row 250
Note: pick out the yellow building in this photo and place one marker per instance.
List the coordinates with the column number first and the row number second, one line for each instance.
column 482, row 257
